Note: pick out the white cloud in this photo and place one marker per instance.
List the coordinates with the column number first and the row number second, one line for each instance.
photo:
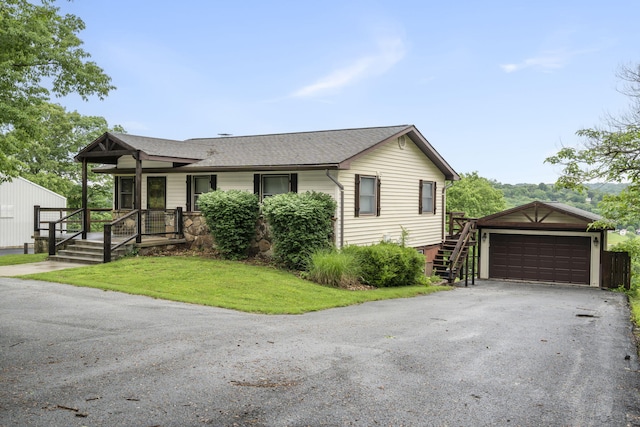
column 390, row 52
column 545, row 62
column 548, row 60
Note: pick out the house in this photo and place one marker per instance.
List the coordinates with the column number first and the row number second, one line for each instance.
column 542, row 241
column 17, row 200
column 384, row 179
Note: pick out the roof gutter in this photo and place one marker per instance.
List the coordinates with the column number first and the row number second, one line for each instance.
column 341, row 187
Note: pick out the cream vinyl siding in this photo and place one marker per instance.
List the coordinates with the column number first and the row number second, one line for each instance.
column 400, row 171
column 176, row 191
column 128, row 162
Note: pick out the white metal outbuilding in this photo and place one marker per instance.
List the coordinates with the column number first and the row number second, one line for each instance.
column 17, row 199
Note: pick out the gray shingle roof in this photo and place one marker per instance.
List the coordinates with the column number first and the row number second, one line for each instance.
column 318, row 149
column 303, row 148
column 573, row 210
column 556, row 206
column 164, row 147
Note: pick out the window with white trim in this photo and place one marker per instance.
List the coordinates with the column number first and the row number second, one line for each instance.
column 266, row 185
column 427, row 199
column 196, row 186
column 367, row 195
column 125, row 192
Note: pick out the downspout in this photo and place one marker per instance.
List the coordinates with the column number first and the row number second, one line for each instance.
column 444, row 207
column 341, row 187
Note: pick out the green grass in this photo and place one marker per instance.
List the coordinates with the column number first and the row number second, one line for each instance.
column 615, row 238
column 634, row 300
column 21, row 259
column 227, row 284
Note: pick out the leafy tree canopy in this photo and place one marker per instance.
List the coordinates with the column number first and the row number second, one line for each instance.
column 475, row 196
column 610, row 154
column 41, row 55
column 57, row 136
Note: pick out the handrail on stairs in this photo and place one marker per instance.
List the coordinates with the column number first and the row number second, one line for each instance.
column 63, row 222
column 463, row 240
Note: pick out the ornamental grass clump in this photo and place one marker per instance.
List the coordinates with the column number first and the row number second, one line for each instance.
column 334, row 268
column 231, row 217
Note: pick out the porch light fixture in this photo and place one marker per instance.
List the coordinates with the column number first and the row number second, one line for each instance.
column 484, row 237
column 595, row 241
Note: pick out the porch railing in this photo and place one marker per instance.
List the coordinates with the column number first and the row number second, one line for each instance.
column 137, row 223
column 125, row 228
column 68, row 226
column 43, row 216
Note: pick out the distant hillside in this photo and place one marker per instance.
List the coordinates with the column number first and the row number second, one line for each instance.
column 520, row 194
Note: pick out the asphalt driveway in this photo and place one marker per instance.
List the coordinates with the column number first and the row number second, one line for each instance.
column 493, row 354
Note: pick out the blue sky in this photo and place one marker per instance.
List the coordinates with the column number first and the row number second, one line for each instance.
column 495, row 86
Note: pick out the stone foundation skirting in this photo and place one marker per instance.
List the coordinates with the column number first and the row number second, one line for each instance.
column 198, row 236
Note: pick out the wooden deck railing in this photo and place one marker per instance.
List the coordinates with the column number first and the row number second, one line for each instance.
column 43, row 216
column 62, row 226
column 126, row 227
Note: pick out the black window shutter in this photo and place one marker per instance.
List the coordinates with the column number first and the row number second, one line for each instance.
column 188, row 193
column 434, row 197
column 378, row 197
column 294, row 183
column 357, row 192
column 420, row 197
column 116, row 190
column 256, row 184
column 213, row 182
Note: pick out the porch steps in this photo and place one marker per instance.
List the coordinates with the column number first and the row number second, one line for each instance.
column 86, row 252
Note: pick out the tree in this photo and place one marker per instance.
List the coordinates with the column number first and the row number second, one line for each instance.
column 40, row 56
column 610, row 154
column 57, row 136
column 474, row 196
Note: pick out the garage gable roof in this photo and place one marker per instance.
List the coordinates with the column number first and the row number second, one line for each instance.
column 541, row 215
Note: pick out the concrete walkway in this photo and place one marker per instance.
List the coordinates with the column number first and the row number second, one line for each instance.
column 36, row 267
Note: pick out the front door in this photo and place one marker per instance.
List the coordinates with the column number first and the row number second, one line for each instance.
column 156, row 204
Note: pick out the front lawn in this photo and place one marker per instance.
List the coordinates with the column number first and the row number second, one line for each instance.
column 21, row 259
column 226, row 284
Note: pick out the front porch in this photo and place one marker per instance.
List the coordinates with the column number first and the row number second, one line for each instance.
column 101, row 235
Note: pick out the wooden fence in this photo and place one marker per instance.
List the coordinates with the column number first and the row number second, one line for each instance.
column 616, row 270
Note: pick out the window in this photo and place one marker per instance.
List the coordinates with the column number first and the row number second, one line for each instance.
column 274, row 184
column 367, row 195
column 427, row 199
column 196, row 186
column 125, row 192
column 266, row 185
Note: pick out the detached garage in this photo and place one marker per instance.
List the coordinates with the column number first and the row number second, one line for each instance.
column 541, row 241
column 17, row 199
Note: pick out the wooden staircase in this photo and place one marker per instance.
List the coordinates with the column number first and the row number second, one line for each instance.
column 452, row 259
column 86, row 252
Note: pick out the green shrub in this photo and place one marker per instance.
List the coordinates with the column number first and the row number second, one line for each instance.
column 231, row 216
column 389, row 264
column 300, row 224
column 333, row 268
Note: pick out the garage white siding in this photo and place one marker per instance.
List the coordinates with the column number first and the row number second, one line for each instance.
column 17, row 199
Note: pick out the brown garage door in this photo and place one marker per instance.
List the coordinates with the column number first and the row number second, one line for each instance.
column 563, row 259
